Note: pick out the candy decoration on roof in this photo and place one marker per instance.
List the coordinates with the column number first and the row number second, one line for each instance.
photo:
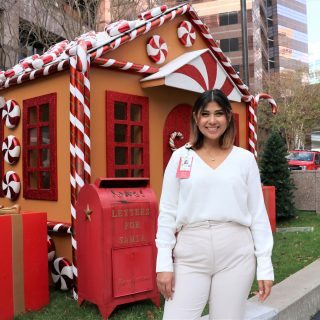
column 61, row 273
column 157, row 49
column 50, row 55
column 90, row 38
column 11, row 149
column 153, row 13
column 21, row 66
column 51, row 249
column 186, row 33
column 124, row 65
column 11, row 114
column 11, row 185
column 119, row 27
column 2, row 77
column 174, row 135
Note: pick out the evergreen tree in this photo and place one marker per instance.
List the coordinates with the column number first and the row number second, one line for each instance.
column 274, row 172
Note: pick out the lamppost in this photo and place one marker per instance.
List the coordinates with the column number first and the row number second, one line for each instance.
column 244, row 29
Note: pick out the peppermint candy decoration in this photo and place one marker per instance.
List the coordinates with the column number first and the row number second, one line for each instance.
column 174, row 135
column 11, row 185
column 152, row 13
column 61, row 273
column 157, row 49
column 51, row 249
column 11, row 149
column 186, row 33
column 11, row 114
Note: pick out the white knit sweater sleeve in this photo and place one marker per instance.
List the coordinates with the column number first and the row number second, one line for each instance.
column 166, row 239
column 260, row 227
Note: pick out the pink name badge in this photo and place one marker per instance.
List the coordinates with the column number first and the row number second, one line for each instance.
column 184, row 167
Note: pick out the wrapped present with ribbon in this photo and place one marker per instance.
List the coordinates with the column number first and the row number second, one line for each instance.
column 23, row 262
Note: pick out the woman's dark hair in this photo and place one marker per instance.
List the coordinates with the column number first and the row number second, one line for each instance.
column 196, row 137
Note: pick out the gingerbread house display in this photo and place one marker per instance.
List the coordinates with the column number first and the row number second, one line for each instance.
column 114, row 103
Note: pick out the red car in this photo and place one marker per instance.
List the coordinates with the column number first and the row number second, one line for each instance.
column 303, row 160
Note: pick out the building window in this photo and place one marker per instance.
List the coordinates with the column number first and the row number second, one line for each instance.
column 270, row 42
column 127, row 135
column 228, row 18
column 228, row 45
column 40, row 148
column 271, row 64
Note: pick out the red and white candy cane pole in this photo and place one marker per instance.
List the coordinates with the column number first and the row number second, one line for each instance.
column 73, row 195
column 80, row 171
column 125, row 65
column 58, row 227
column 253, row 118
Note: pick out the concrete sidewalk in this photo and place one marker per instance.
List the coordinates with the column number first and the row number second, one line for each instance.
column 295, row 298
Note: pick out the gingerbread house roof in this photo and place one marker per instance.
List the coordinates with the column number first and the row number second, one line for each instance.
column 94, row 44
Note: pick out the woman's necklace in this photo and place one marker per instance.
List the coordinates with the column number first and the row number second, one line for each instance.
column 212, row 158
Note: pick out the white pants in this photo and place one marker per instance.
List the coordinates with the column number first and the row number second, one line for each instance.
column 215, row 262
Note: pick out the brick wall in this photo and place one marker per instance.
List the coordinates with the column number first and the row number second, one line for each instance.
column 307, row 194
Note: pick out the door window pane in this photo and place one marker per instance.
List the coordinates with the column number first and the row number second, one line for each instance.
column 45, row 137
column 32, row 158
column 120, row 110
column 32, row 136
column 45, row 158
column 121, row 155
column 135, row 114
column 120, row 133
column 32, row 114
column 136, row 155
column 45, row 180
column 44, row 112
column 121, row 173
column 137, row 173
column 136, row 134
column 33, row 180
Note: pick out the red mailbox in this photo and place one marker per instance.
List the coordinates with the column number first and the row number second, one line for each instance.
column 115, row 231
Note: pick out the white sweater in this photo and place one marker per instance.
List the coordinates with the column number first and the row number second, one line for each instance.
column 231, row 192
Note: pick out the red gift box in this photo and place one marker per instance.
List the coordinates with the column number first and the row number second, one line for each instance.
column 269, row 194
column 23, row 263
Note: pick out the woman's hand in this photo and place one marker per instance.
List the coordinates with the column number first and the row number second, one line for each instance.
column 264, row 289
column 165, row 283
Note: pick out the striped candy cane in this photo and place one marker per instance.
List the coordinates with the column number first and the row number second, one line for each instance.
column 125, row 65
column 58, row 227
column 253, row 118
column 79, row 136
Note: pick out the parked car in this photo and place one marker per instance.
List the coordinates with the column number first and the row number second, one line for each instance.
column 303, row 160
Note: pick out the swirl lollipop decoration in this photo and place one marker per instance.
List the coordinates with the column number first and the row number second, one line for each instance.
column 11, row 149
column 11, row 114
column 61, row 273
column 186, row 33
column 157, row 49
column 11, row 185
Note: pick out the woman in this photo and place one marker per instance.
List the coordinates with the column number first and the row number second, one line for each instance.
column 213, row 229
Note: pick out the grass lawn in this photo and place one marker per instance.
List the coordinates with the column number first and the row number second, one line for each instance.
column 292, row 252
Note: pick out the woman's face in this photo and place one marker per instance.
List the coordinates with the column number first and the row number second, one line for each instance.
column 212, row 121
